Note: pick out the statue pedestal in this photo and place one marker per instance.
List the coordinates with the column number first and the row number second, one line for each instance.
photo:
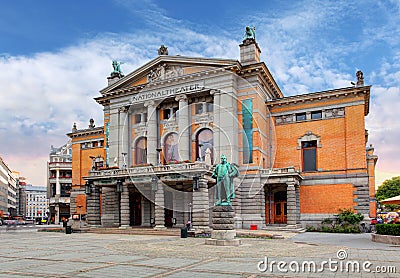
column 223, row 224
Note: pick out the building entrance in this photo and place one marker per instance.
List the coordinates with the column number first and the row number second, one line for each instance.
column 135, row 200
column 280, row 207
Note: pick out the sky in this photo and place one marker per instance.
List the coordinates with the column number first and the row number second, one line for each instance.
column 55, row 57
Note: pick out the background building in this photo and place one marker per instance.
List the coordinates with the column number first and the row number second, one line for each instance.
column 37, row 204
column 21, row 195
column 59, row 182
column 301, row 158
column 88, row 153
column 8, row 191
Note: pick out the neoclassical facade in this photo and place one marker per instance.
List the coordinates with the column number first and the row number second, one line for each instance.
column 166, row 124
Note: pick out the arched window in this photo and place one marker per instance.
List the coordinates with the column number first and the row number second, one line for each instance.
column 141, row 150
column 204, row 142
column 171, row 152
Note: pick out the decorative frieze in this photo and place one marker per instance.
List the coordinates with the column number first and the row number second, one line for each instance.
column 326, row 114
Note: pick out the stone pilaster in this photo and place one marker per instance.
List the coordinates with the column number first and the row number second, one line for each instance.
column 226, row 125
column 110, row 211
column 93, row 207
column 184, row 127
column 291, row 204
column 201, row 214
column 58, row 186
column 151, row 132
column 124, row 140
column 125, row 210
column 159, row 213
column 298, row 204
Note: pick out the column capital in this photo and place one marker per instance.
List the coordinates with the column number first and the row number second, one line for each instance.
column 214, row 91
column 181, row 98
column 123, row 109
column 149, row 103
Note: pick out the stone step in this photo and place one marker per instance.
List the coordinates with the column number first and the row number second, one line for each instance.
column 135, row 231
column 284, row 228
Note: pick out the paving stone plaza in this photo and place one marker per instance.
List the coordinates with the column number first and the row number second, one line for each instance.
column 40, row 254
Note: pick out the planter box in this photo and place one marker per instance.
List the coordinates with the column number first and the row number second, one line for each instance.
column 386, row 239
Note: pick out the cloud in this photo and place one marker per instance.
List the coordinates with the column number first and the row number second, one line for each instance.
column 44, row 94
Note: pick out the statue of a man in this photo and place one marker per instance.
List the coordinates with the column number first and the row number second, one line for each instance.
column 224, row 174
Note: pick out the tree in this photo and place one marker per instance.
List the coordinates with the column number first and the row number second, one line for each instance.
column 388, row 189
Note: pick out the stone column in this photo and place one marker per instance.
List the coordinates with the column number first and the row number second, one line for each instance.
column 110, row 211
column 159, row 214
column 201, row 214
column 225, row 125
column 297, row 188
column 93, row 207
column 125, row 209
column 151, row 132
column 58, row 186
column 291, row 204
column 184, row 127
column 57, row 214
column 124, row 140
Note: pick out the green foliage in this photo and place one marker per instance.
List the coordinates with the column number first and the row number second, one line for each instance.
column 388, row 189
column 346, row 221
column 347, row 216
column 388, row 229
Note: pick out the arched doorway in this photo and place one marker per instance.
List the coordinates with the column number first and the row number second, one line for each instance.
column 141, row 151
column 204, row 141
column 171, row 152
column 135, row 205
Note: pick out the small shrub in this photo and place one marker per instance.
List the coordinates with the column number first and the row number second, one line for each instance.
column 388, row 229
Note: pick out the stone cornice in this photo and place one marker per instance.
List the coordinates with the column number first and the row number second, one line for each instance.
column 169, row 59
column 318, row 96
column 266, row 75
column 86, row 132
column 183, row 78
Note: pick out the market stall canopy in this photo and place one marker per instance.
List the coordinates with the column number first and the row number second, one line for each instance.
column 391, row 201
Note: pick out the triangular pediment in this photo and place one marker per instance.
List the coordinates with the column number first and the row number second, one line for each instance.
column 165, row 67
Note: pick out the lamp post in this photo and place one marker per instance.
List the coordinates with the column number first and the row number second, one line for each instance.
column 80, row 216
column 190, row 216
column 123, row 157
column 158, row 156
column 200, row 145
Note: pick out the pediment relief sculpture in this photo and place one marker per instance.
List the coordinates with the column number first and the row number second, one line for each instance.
column 164, row 72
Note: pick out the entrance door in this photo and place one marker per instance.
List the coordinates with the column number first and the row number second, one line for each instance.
column 280, row 212
column 280, row 207
column 168, row 214
column 135, row 205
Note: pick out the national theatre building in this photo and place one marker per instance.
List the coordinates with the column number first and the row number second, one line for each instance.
column 300, row 158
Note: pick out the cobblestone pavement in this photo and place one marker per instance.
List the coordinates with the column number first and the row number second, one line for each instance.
column 51, row 254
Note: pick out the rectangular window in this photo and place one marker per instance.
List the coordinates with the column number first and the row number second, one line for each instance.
column 316, row 115
column 210, row 107
column 138, row 118
column 247, row 123
column 309, row 152
column 300, row 116
column 199, row 108
column 166, row 114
